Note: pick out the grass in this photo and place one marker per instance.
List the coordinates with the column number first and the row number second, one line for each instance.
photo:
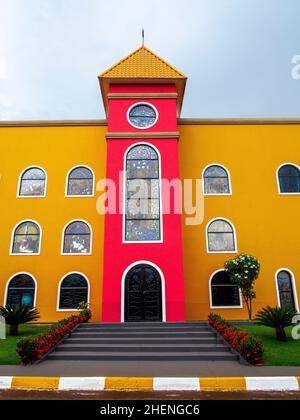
column 8, row 347
column 276, row 353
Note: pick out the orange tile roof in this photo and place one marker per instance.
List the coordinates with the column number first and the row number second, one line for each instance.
column 143, row 64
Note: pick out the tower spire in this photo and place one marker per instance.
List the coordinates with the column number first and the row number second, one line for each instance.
column 143, row 37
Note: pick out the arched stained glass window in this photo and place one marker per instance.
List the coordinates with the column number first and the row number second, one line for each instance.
column 26, row 239
column 142, row 116
column 223, row 292
column 81, row 182
column 33, row 183
column 285, row 289
column 216, row 181
column 142, row 216
column 74, row 289
column 77, row 238
column 21, row 290
column 289, row 179
column 221, row 237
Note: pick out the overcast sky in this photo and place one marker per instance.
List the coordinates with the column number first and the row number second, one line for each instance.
column 236, row 53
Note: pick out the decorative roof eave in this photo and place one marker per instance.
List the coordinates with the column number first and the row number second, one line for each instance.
column 105, row 83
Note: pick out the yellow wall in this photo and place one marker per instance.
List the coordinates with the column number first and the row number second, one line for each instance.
column 57, row 150
column 267, row 224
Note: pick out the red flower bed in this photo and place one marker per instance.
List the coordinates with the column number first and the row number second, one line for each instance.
column 248, row 347
column 33, row 349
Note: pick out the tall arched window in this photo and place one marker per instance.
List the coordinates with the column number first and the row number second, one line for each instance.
column 221, row 236
column 26, row 238
column 289, row 179
column 224, row 293
column 216, row 181
column 77, row 238
column 73, row 290
column 32, row 183
column 143, row 208
column 21, row 290
column 285, row 289
column 80, row 182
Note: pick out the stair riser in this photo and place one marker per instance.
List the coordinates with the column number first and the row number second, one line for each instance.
column 167, row 358
column 142, row 330
column 141, row 335
column 149, row 349
column 146, row 325
column 137, row 341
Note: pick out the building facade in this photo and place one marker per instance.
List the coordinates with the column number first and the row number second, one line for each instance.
column 140, row 260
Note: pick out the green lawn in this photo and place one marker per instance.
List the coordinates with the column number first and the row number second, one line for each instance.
column 8, row 347
column 276, row 353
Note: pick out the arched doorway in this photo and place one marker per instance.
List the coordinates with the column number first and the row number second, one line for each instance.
column 143, row 295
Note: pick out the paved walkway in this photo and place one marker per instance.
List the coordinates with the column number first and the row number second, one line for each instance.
column 147, row 369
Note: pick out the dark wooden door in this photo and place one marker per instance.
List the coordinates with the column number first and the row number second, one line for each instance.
column 143, row 295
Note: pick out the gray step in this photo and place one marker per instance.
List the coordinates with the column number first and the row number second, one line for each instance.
column 146, row 324
column 148, row 329
column 152, row 356
column 142, row 348
column 160, row 340
column 127, row 334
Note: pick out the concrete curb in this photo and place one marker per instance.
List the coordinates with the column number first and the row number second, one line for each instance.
column 151, row 384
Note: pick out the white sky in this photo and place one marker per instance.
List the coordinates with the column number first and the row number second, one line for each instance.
column 237, row 54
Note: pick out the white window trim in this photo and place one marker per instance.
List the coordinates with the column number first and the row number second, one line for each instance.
column 241, row 306
column 161, row 241
column 67, row 182
column 20, row 181
column 294, row 286
column 63, row 239
column 277, row 177
column 234, row 233
column 36, row 254
column 138, row 104
column 12, row 277
column 163, row 287
column 229, row 181
column 59, row 288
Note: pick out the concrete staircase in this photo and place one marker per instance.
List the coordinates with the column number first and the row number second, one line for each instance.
column 143, row 342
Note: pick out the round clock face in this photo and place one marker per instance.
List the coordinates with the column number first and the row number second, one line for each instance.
column 142, row 116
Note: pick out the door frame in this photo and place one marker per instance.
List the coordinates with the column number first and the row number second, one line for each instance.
column 163, row 287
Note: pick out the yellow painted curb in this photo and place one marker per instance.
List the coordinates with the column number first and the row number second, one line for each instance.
column 129, row 384
column 298, row 379
column 223, row 384
column 35, row 383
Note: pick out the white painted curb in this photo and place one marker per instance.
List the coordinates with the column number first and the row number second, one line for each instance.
column 272, row 384
column 176, row 384
column 5, row 382
column 81, row 384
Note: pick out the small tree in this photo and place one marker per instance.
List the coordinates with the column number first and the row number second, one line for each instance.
column 15, row 315
column 244, row 271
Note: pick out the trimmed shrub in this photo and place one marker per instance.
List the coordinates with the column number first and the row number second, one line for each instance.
column 248, row 347
column 33, row 349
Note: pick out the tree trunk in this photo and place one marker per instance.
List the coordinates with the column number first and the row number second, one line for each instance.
column 249, row 308
column 280, row 334
column 14, row 329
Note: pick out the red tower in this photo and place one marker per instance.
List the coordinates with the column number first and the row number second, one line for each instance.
column 143, row 265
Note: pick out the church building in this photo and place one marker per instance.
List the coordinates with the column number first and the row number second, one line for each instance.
column 180, row 198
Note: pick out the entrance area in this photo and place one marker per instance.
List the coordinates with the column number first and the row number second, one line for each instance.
column 143, row 295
